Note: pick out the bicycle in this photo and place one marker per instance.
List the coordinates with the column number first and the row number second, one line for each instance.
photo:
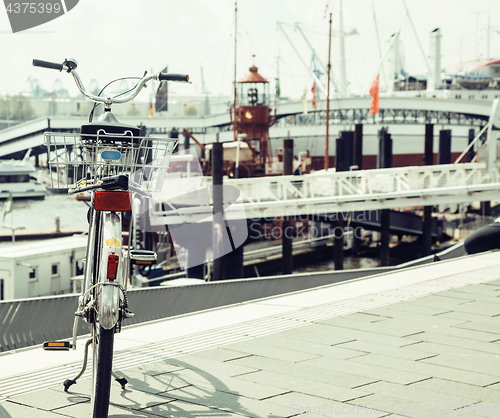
column 113, row 162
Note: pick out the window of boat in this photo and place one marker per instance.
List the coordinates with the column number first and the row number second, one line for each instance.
column 32, row 273
column 19, row 178
column 1, row 289
column 22, row 178
column 458, row 96
column 79, row 267
column 55, row 269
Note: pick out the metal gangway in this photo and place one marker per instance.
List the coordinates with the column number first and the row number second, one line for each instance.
column 329, row 192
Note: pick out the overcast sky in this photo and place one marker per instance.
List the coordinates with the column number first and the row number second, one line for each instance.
column 117, row 38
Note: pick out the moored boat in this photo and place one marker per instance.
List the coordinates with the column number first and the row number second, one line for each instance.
column 17, row 178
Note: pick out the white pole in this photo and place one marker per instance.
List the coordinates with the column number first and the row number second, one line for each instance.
column 431, row 74
column 397, row 66
column 237, row 155
column 12, row 222
column 303, row 62
column 377, row 68
column 437, row 68
column 472, row 143
column 343, row 79
column 379, row 45
column 488, row 40
column 492, row 139
column 316, row 56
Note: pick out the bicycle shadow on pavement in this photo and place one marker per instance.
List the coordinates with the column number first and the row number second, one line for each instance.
column 170, row 388
column 190, row 390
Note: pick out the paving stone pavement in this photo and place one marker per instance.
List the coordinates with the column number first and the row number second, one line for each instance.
column 433, row 356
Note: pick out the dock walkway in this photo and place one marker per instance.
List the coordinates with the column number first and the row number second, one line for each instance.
column 421, row 342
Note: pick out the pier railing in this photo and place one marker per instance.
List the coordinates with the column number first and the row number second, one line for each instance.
column 330, row 192
column 360, row 183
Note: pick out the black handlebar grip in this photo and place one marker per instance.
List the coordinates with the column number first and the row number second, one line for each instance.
column 173, row 77
column 47, row 64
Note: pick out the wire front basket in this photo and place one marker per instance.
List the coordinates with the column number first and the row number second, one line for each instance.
column 82, row 159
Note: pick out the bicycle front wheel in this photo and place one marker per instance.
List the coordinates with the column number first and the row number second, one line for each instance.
column 101, row 370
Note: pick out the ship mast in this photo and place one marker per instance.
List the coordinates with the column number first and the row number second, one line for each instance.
column 343, row 79
column 235, row 44
column 488, row 40
column 328, row 96
column 379, row 45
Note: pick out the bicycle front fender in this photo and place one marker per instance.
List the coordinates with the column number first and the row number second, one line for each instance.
column 109, row 306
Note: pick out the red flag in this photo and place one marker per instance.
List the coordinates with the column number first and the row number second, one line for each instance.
column 374, row 94
column 314, row 95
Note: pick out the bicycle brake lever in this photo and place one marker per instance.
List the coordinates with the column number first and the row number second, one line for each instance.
column 109, row 183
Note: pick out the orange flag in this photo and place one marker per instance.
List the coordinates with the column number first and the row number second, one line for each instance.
column 374, row 94
column 314, row 102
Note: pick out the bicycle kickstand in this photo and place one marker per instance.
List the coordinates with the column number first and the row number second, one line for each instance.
column 120, row 379
column 68, row 382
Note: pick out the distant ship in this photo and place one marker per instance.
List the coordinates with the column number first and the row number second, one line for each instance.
column 18, row 178
column 475, row 75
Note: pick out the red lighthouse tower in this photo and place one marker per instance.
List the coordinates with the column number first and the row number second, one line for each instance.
column 253, row 118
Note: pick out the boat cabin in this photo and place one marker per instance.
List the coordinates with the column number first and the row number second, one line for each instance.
column 17, row 178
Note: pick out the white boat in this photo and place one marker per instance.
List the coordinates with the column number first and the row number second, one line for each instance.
column 18, row 178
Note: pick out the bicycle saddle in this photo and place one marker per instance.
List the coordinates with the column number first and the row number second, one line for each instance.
column 107, row 124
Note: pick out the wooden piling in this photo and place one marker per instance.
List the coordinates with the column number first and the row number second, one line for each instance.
column 338, row 241
column 286, row 225
column 427, row 219
column 444, row 156
column 385, row 161
column 217, row 180
column 358, row 145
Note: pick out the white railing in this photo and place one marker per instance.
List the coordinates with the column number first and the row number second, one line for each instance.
column 329, row 192
column 361, row 183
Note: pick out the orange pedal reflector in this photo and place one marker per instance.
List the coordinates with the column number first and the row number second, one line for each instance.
column 57, row 345
column 112, row 201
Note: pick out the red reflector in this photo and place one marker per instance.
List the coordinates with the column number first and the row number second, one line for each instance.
column 112, row 266
column 112, row 201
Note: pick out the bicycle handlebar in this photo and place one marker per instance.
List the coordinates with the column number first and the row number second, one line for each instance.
column 183, row 78
column 47, row 64
column 69, row 65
